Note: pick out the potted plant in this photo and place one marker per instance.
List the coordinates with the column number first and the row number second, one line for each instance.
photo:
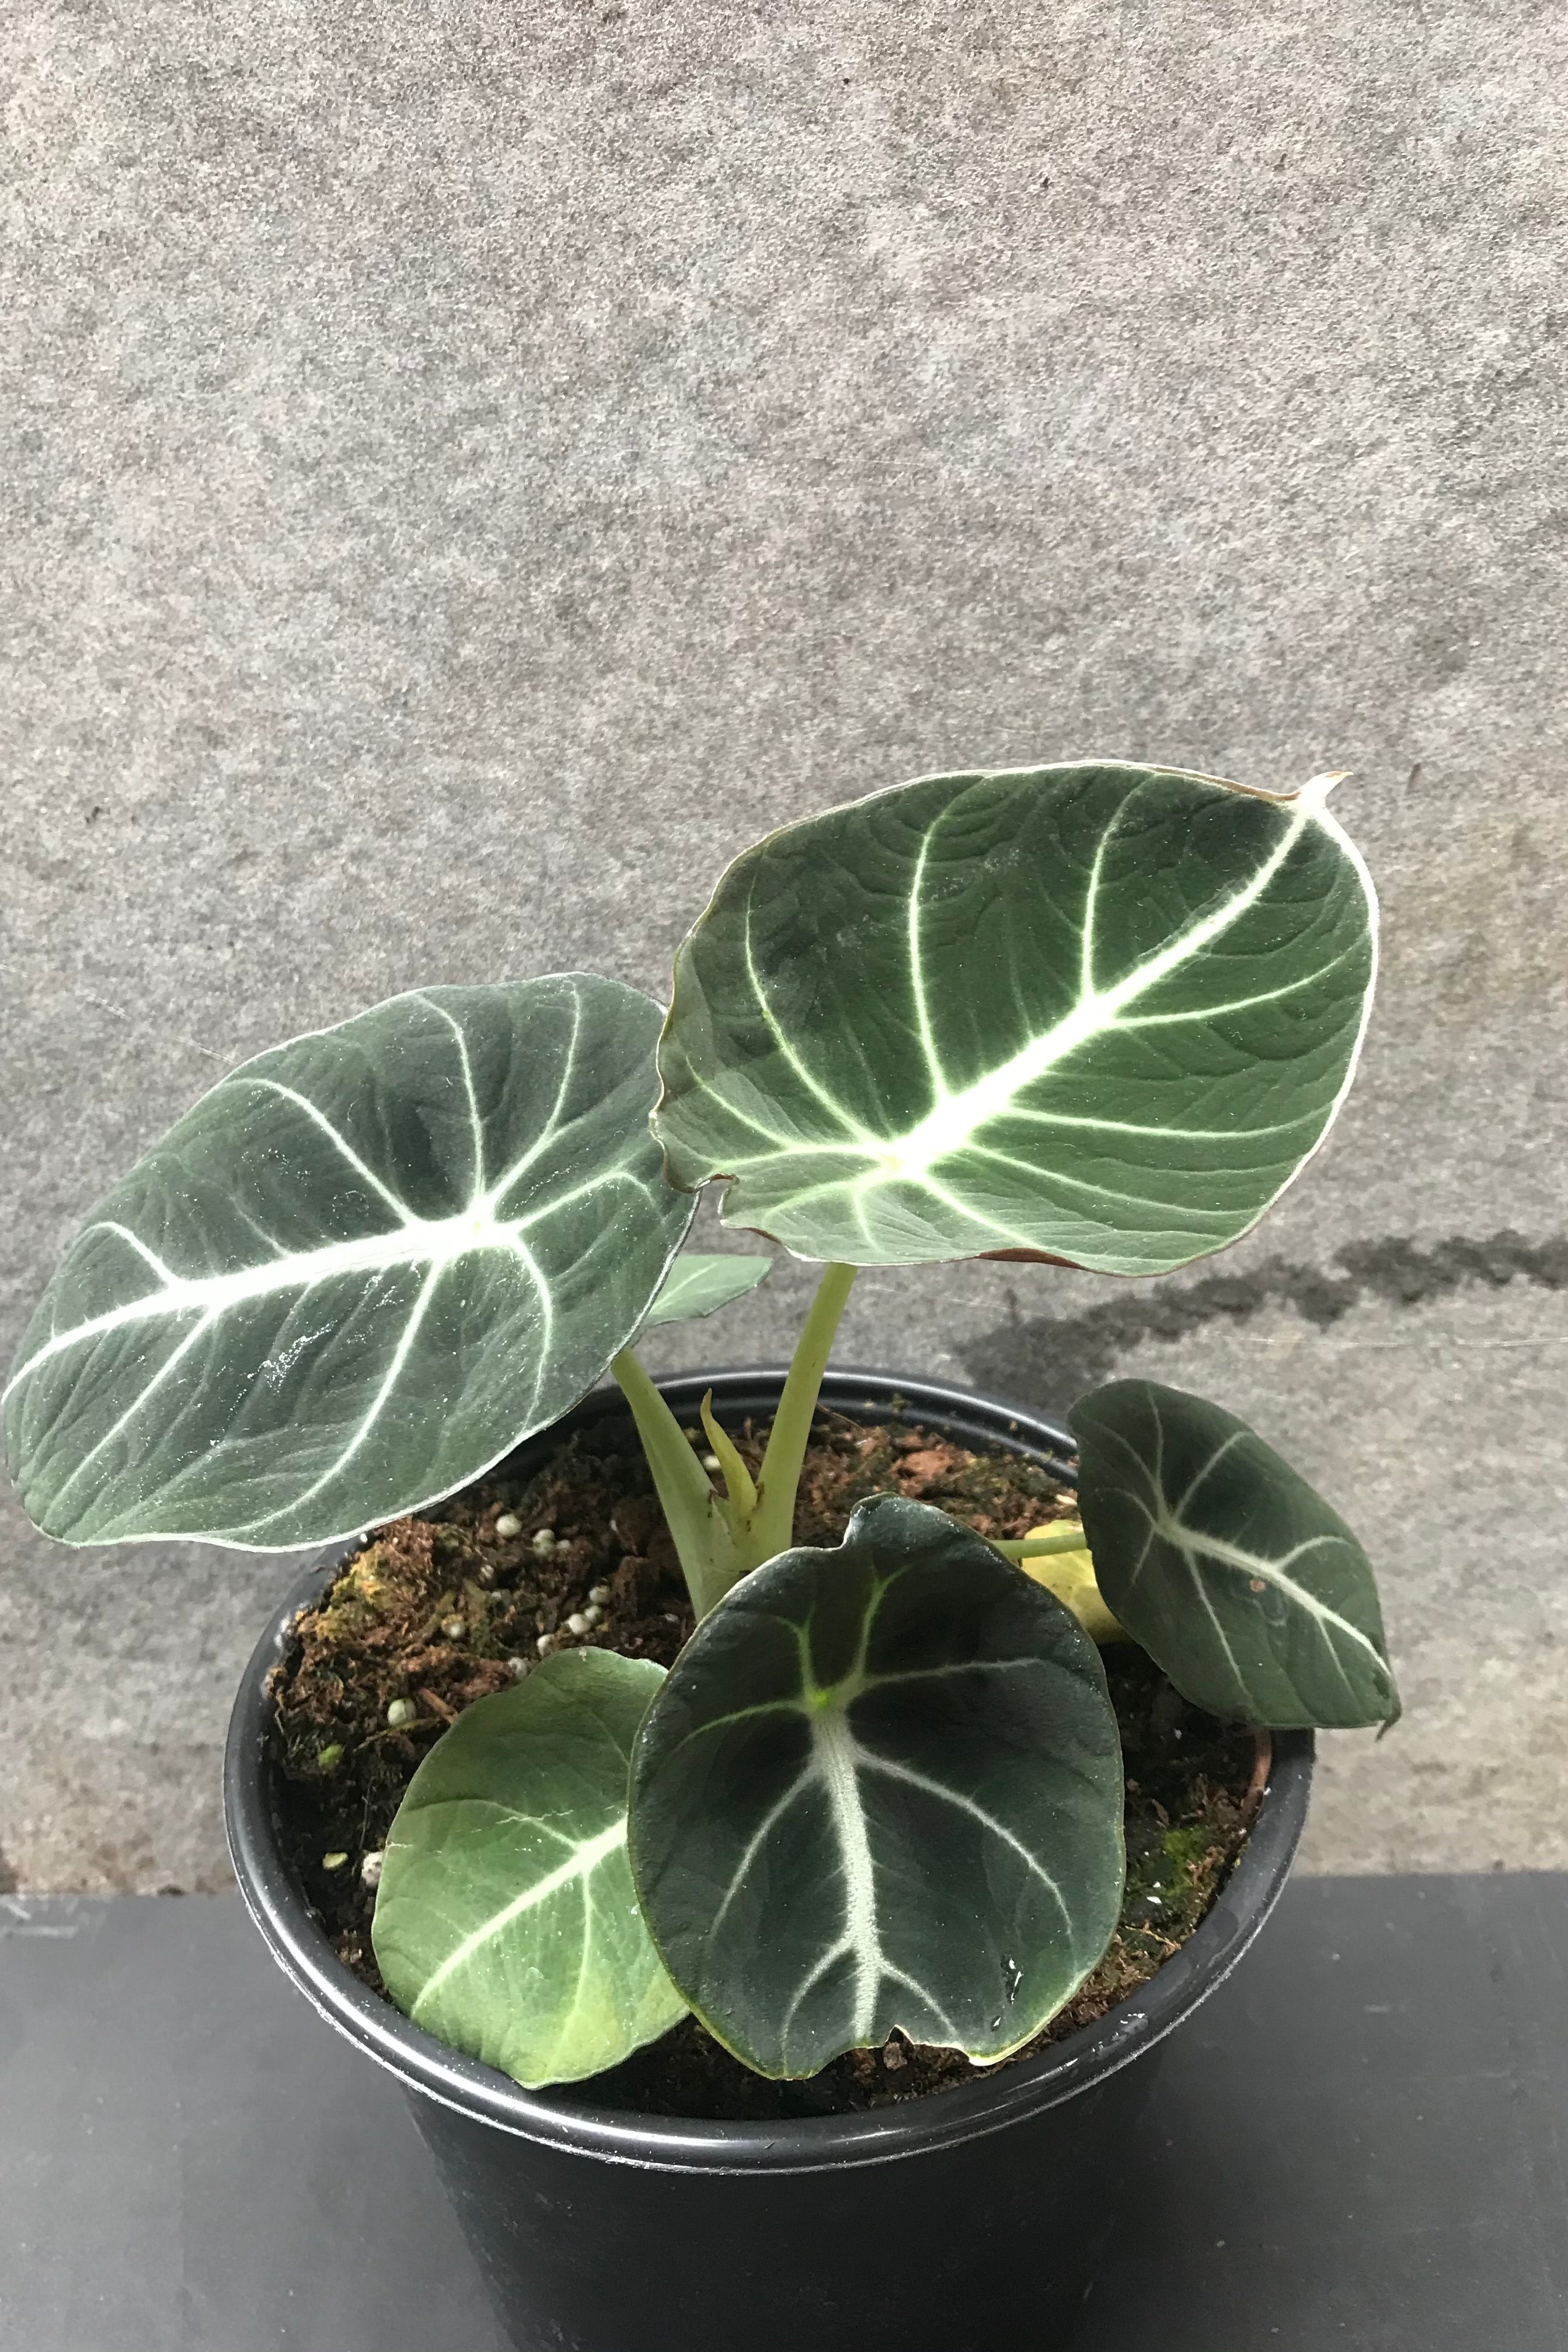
column 1095, row 1015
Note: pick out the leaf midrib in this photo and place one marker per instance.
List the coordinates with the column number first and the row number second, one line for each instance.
column 836, row 1760
column 437, row 1243
column 959, row 1114
column 588, row 1858
column 955, row 1117
column 1188, row 1540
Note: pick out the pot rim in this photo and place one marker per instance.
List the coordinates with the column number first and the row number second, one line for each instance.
column 806, row 2144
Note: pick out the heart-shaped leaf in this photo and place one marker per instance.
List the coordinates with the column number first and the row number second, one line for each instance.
column 880, row 1787
column 1097, row 1013
column 505, row 1922
column 354, row 1274
column 1234, row 1574
column 699, row 1283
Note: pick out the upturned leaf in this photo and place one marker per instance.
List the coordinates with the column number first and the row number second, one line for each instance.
column 1095, row 1013
column 505, row 1922
column 1241, row 1583
column 354, row 1274
column 881, row 1786
column 699, row 1283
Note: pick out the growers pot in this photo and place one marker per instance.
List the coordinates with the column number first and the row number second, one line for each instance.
column 965, row 2222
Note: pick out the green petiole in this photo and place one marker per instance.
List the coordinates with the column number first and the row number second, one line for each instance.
column 773, row 1522
column 1037, row 1547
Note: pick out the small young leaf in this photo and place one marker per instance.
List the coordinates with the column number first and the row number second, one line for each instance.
column 505, row 1922
column 699, row 1283
column 739, row 1486
column 356, row 1272
column 1099, row 1013
column 881, row 1787
column 1237, row 1578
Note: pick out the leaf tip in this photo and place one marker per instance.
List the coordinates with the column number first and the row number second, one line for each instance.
column 1315, row 792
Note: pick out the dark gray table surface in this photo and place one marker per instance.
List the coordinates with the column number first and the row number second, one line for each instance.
column 1361, row 2140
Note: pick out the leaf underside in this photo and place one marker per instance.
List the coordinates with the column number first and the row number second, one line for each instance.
column 700, row 1282
column 356, row 1272
column 881, row 1787
column 505, row 1921
column 1233, row 1573
column 1095, row 1013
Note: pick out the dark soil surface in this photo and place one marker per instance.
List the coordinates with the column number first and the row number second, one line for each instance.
column 436, row 1612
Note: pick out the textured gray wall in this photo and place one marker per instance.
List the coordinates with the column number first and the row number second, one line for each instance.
column 475, row 467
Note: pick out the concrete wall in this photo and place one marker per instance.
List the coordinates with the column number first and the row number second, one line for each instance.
column 477, row 466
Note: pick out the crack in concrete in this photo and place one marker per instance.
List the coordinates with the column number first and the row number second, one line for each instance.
column 1027, row 1356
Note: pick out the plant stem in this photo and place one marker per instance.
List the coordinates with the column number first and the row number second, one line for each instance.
column 696, row 1519
column 717, row 1541
column 772, row 1527
column 1037, row 1547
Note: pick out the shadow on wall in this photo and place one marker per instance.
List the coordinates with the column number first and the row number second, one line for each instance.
column 1049, row 1360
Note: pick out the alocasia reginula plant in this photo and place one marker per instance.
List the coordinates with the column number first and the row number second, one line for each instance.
column 1097, row 1015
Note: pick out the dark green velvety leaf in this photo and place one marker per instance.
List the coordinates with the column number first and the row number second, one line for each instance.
column 1095, row 1013
column 505, row 1921
column 1234, row 1574
column 881, row 1786
column 700, row 1282
column 354, row 1274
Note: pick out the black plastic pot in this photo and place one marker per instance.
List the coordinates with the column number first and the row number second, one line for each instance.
column 966, row 2221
